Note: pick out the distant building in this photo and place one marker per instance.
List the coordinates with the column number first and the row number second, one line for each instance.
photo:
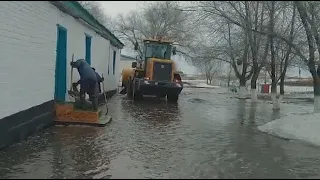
column 38, row 39
column 126, row 61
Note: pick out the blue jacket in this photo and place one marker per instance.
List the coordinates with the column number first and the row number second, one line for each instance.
column 98, row 77
column 85, row 70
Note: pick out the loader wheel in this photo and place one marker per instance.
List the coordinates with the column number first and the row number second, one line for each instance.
column 136, row 94
column 173, row 98
column 159, row 97
column 129, row 89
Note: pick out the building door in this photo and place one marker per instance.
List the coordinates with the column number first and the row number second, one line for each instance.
column 61, row 65
column 88, row 49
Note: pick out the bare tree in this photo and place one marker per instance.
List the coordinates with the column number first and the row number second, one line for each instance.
column 212, row 69
column 246, row 15
column 161, row 19
column 204, row 53
column 260, row 24
column 308, row 12
column 273, row 54
column 286, row 60
column 239, row 59
column 283, row 51
column 252, row 18
column 209, row 66
column 255, row 20
column 229, row 74
column 222, row 43
column 95, row 9
column 227, row 43
column 232, row 47
column 129, row 28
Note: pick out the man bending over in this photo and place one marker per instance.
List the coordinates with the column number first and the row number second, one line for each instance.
column 88, row 82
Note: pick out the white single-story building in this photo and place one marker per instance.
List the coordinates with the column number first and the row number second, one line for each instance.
column 37, row 42
column 126, row 61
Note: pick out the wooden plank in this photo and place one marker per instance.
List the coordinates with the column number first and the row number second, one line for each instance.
column 67, row 114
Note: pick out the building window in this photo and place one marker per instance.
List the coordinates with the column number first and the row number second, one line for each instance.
column 114, row 61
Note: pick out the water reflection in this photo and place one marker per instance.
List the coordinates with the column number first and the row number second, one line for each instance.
column 156, row 138
column 254, row 154
column 152, row 110
column 252, row 113
column 205, row 135
column 242, row 110
column 14, row 156
column 77, row 149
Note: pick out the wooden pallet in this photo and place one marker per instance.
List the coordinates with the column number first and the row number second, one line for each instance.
column 67, row 114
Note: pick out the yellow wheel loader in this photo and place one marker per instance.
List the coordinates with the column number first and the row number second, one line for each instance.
column 154, row 73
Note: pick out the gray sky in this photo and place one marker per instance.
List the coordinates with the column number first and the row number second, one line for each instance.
column 113, row 8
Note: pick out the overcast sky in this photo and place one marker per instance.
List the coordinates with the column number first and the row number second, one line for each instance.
column 113, row 8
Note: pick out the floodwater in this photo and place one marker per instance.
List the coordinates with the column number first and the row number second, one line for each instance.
column 207, row 134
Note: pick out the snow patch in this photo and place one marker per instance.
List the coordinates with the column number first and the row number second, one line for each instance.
column 303, row 127
column 204, row 85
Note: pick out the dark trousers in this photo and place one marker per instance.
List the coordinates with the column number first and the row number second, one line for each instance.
column 99, row 85
column 91, row 88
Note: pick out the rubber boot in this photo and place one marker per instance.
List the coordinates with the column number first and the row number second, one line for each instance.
column 94, row 97
column 95, row 102
column 82, row 101
column 124, row 90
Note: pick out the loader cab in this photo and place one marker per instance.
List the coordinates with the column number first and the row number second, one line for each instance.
column 151, row 48
column 156, row 49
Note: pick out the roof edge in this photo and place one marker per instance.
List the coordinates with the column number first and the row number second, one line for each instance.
column 107, row 34
column 129, row 57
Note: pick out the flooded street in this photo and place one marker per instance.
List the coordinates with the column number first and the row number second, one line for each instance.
column 207, row 134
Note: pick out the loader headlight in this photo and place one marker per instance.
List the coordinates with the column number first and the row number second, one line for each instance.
column 146, row 82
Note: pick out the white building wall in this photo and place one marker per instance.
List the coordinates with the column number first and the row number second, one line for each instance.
column 117, row 74
column 28, row 37
column 112, row 79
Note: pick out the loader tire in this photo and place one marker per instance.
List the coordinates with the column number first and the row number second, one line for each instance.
column 136, row 94
column 129, row 89
column 173, row 98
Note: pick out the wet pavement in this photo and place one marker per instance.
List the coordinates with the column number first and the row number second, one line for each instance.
column 207, row 134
